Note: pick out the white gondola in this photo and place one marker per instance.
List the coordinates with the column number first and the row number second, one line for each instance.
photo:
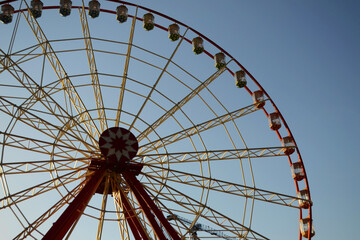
column 174, row 32
column 149, row 21
column 274, row 121
column 65, row 7
column 94, row 8
column 297, row 171
column 7, row 12
column 36, row 8
column 240, row 79
column 198, row 45
column 303, row 196
column 305, row 228
column 219, row 59
column 288, row 142
column 258, row 99
column 122, row 13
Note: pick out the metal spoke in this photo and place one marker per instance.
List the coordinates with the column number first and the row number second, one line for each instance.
column 103, row 207
column 40, row 146
column 24, row 115
column 225, row 187
column 215, row 155
column 43, row 166
column 181, row 103
column 44, row 217
column 25, row 55
column 154, row 87
column 123, row 227
column 186, row 133
column 41, row 188
column 39, row 95
column 126, row 68
column 213, row 216
column 93, row 69
column 68, row 87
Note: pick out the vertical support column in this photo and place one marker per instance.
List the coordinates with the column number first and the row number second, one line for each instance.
column 150, row 208
column 75, row 209
column 149, row 214
column 135, row 225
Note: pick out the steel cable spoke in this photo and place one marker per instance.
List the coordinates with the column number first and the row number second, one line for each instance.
column 34, row 121
column 197, row 129
column 181, row 103
column 185, row 201
column 27, row 167
column 50, row 212
column 41, row 188
column 211, row 155
column 68, row 87
column 226, row 187
column 126, row 68
column 93, row 69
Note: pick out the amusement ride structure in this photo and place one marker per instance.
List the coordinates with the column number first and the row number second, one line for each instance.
column 112, row 130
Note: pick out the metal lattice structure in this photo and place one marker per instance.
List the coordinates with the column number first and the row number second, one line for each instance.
column 67, row 93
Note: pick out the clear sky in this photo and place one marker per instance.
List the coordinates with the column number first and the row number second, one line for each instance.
column 305, row 54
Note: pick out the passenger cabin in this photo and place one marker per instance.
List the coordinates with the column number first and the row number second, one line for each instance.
column 219, row 59
column 240, row 79
column 258, row 99
column 36, row 8
column 304, row 198
column 7, row 12
column 149, row 22
column 94, row 8
column 65, row 7
column 288, row 142
column 122, row 13
column 305, row 227
column 174, row 33
column 297, row 171
column 274, row 121
column 198, row 45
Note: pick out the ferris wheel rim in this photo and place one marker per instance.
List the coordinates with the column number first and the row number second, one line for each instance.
column 195, row 31
column 222, row 50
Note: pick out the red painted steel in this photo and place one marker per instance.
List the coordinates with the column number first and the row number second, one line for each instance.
column 211, row 56
column 145, row 208
column 147, row 204
column 131, row 218
column 75, row 208
column 118, row 145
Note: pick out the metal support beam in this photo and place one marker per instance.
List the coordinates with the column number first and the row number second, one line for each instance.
column 150, row 209
column 76, row 207
column 93, row 69
column 131, row 218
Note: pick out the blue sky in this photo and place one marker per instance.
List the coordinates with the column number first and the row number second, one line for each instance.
column 305, row 54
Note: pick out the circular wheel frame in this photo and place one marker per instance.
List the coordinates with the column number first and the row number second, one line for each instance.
column 203, row 142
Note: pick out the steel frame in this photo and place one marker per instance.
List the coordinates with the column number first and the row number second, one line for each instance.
column 24, row 113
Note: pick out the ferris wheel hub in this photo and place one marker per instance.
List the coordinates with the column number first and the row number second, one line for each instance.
column 118, row 145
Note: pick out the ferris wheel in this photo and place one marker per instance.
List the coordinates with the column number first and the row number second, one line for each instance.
column 119, row 122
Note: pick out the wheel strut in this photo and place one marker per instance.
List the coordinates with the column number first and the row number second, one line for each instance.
column 76, row 207
column 118, row 146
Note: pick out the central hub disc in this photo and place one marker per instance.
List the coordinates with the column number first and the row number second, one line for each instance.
column 118, row 145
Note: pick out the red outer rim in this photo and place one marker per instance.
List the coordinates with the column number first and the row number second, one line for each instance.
column 211, row 56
